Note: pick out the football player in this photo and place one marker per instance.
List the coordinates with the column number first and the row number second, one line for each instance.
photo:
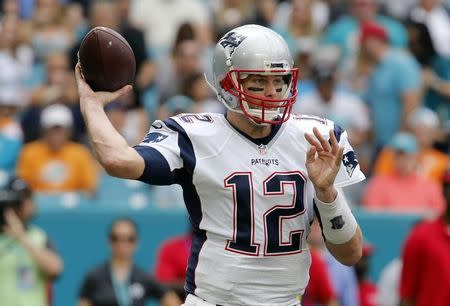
column 252, row 178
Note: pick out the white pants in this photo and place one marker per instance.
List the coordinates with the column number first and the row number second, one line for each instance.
column 192, row 300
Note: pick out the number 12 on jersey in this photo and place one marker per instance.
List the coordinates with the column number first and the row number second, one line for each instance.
column 241, row 185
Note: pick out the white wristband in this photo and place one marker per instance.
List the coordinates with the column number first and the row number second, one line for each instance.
column 336, row 219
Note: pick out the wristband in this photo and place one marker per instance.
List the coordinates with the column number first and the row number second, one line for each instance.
column 336, row 219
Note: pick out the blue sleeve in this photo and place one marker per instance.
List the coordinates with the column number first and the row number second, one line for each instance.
column 411, row 75
column 168, row 154
column 157, row 170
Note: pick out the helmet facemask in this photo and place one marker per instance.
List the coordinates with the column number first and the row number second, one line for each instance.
column 260, row 109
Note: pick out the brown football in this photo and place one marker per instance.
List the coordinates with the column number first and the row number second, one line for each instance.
column 106, row 59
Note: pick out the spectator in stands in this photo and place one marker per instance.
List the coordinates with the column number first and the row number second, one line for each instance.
column 425, row 277
column 119, row 281
column 344, row 32
column 433, row 164
column 174, row 69
column 9, row 7
column 74, row 20
column 435, row 69
column 317, row 15
column 160, row 20
column 28, row 260
column 320, row 289
column 367, row 289
column 196, row 88
column 11, row 136
column 46, row 31
column 328, row 101
column 265, row 11
column 343, row 278
column 59, row 87
column 229, row 14
column 301, row 28
column 53, row 163
column 389, row 284
column 437, row 19
column 404, row 190
column 172, row 261
column 394, row 87
column 131, row 125
column 16, row 57
column 176, row 105
column 106, row 13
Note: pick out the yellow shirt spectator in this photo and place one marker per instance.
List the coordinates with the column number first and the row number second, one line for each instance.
column 69, row 169
column 432, row 163
column 54, row 163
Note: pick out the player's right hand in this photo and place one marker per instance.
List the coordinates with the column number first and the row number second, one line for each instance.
column 87, row 95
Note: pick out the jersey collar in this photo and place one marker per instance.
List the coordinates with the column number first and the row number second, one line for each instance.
column 258, row 141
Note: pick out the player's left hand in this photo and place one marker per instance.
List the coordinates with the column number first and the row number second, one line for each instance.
column 13, row 226
column 324, row 166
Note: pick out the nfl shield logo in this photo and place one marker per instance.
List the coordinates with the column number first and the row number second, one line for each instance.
column 262, row 149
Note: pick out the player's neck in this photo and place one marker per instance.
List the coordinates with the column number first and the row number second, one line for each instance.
column 243, row 124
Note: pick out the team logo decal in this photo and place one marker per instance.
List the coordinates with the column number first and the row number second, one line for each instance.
column 350, row 162
column 231, row 41
column 337, row 222
column 262, row 149
column 154, row 137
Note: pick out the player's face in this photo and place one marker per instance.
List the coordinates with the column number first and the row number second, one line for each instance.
column 123, row 240
column 264, row 86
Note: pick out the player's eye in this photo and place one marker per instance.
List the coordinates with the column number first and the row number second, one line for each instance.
column 278, row 82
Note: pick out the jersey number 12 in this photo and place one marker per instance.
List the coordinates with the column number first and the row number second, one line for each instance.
column 241, row 184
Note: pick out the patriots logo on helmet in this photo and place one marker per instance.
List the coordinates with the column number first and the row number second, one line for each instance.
column 350, row 162
column 232, row 40
column 154, row 137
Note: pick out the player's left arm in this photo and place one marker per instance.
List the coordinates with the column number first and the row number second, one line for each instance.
column 339, row 227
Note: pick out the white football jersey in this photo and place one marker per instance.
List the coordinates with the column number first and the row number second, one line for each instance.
column 249, row 200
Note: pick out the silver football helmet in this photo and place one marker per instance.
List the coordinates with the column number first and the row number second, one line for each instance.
column 254, row 49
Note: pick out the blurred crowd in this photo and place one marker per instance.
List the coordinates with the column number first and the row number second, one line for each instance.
column 380, row 69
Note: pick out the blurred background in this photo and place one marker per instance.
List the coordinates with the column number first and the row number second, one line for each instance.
column 380, row 69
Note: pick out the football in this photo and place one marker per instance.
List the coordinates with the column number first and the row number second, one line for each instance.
column 106, row 59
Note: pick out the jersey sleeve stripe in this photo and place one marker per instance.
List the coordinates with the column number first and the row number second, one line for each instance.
column 338, row 132
column 198, row 241
column 157, row 169
column 186, row 149
column 184, row 177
